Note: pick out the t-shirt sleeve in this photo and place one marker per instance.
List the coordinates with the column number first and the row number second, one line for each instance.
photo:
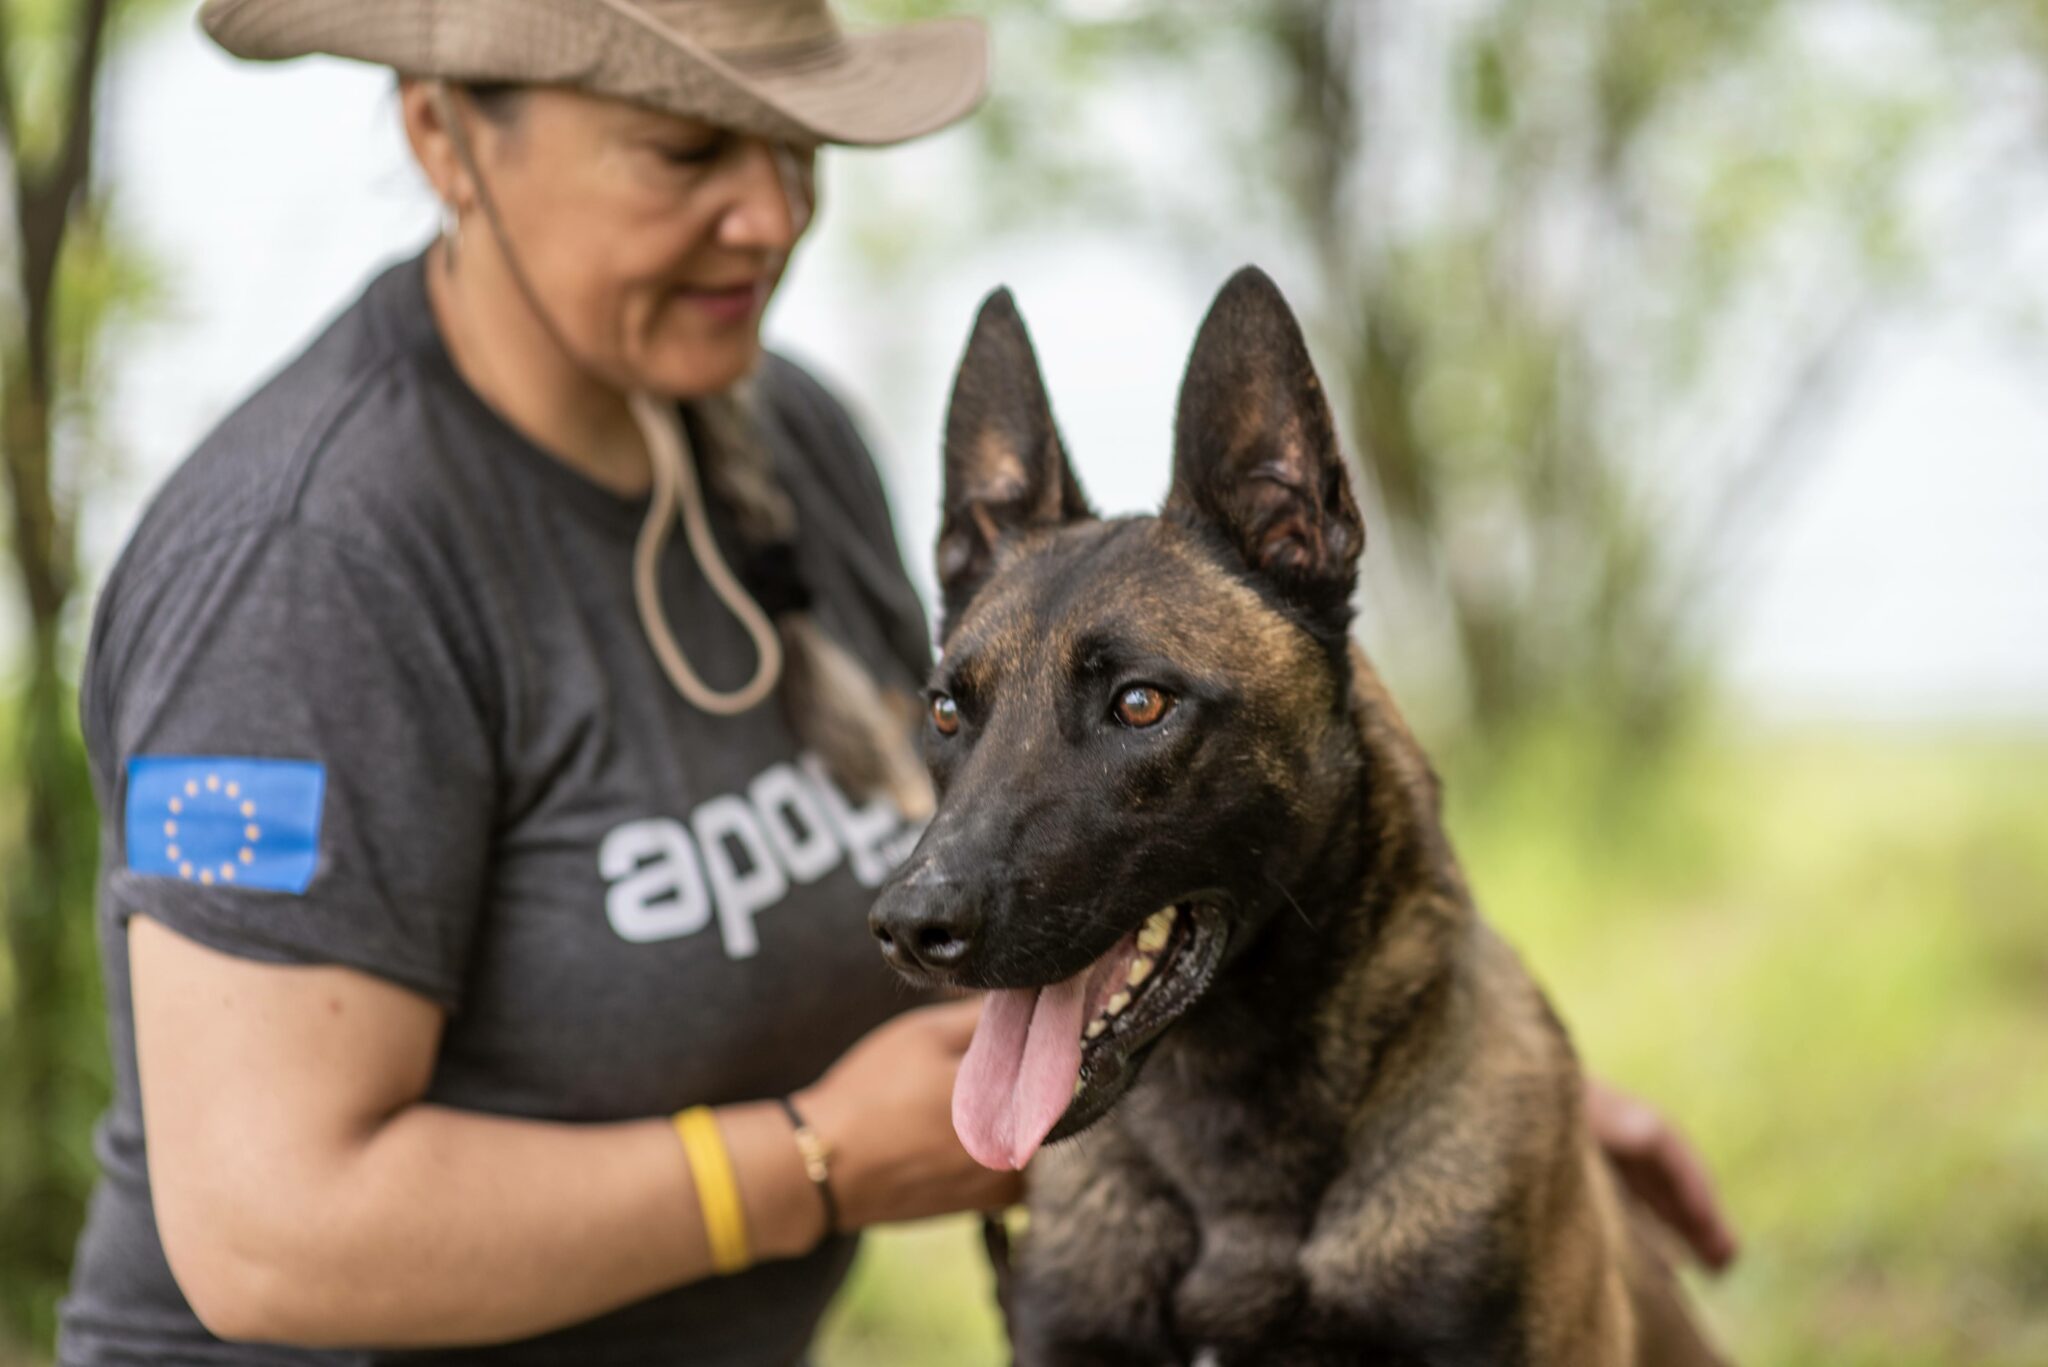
column 296, row 765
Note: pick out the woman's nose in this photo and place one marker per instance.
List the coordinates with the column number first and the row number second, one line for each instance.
column 772, row 198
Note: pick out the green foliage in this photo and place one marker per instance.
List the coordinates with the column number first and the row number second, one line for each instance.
column 52, row 1038
column 920, row 1296
column 107, row 284
column 1827, row 955
column 1579, row 273
column 1824, row 955
column 1556, row 250
column 71, row 280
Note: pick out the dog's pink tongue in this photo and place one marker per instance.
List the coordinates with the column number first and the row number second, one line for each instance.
column 1019, row 1072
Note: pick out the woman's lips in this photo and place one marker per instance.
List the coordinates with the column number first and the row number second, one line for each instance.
column 727, row 303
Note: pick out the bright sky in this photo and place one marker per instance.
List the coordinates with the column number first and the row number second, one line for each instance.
column 1907, row 580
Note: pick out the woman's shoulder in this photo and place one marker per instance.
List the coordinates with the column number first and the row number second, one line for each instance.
column 333, row 439
column 318, row 497
column 790, row 385
column 797, row 398
column 328, row 477
column 820, row 436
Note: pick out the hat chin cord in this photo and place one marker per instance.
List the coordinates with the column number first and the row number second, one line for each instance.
column 676, row 492
column 676, row 486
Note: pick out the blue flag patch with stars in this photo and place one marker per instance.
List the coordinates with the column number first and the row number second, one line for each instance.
column 226, row 821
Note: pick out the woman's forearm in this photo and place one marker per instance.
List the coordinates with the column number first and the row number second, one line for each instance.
column 305, row 1195
column 446, row 1227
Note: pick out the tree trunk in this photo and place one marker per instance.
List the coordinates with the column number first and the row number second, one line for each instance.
column 52, row 1083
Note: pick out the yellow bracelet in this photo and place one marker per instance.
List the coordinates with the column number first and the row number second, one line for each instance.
column 725, row 1223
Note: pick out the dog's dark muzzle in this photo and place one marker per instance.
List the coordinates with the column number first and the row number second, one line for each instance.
column 928, row 926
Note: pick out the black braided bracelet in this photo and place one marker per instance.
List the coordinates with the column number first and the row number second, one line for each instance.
column 817, row 1162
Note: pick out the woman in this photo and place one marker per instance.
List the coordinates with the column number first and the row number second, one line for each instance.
column 464, row 840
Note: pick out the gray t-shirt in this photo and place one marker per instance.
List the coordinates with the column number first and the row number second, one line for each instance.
column 367, row 688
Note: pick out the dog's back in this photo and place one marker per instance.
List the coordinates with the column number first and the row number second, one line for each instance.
column 1597, row 1285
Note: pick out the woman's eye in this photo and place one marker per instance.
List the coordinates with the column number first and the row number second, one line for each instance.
column 945, row 714
column 1143, row 705
column 691, row 154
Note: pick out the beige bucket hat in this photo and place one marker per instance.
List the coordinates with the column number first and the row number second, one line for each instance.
column 780, row 68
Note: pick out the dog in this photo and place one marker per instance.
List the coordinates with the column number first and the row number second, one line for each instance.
column 1316, row 1112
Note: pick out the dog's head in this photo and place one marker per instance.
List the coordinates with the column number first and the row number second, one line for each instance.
column 1139, row 726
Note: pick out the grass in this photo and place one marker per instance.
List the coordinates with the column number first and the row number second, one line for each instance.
column 1827, row 954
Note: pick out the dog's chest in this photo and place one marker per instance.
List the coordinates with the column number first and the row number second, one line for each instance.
column 1237, row 1219
column 1250, row 1170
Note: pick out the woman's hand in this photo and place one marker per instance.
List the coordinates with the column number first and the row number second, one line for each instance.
column 1662, row 1171
column 885, row 1109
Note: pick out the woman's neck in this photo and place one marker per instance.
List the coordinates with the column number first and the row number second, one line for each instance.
column 516, row 364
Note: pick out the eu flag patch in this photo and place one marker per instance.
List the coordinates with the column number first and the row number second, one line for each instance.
column 217, row 819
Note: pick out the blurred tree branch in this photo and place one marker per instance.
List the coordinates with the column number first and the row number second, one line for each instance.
column 46, row 195
column 69, row 279
column 1580, row 272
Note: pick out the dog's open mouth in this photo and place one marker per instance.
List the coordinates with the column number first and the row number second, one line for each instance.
column 1048, row 1061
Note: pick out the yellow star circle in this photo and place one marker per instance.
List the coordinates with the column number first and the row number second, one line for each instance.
column 251, row 832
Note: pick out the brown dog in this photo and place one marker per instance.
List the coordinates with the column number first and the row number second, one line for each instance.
column 1183, row 829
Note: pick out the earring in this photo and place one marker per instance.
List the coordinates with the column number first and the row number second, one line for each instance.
column 451, row 233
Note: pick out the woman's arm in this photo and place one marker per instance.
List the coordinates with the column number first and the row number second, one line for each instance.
column 306, row 1195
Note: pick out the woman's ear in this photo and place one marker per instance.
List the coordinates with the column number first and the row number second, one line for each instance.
column 427, row 109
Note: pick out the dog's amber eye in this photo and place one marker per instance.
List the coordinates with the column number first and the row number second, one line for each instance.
column 1142, row 705
column 945, row 714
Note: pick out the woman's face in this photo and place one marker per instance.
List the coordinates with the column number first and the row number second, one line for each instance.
column 652, row 241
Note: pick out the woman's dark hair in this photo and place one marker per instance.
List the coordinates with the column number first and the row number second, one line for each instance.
column 498, row 101
column 865, row 733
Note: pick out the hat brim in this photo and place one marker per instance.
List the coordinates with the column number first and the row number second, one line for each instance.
column 866, row 89
column 880, row 88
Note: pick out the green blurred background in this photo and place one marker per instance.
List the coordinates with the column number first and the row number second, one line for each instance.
column 1689, row 355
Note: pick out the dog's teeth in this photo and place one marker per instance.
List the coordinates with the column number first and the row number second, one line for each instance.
column 1141, row 969
column 1118, row 1003
column 1079, row 1086
column 1152, row 936
column 1096, row 1027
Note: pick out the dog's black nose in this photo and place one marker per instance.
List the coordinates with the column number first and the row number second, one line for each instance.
column 930, row 926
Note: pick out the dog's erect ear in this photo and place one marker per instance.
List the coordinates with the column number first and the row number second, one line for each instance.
column 1006, row 471
column 1255, row 452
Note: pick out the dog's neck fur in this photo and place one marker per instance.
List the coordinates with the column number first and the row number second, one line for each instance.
column 1352, row 959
